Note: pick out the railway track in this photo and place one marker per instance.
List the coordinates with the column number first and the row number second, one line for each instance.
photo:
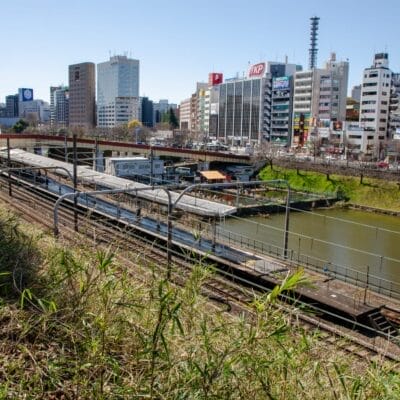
column 229, row 296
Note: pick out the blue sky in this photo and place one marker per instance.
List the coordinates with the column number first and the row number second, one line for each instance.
column 178, row 42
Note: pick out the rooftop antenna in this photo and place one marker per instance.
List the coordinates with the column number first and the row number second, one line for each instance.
column 313, row 42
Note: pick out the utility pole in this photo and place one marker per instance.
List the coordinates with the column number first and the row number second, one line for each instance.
column 286, row 234
column 151, row 165
column 75, row 184
column 9, row 166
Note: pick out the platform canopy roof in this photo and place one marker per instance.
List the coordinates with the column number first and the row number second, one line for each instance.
column 192, row 204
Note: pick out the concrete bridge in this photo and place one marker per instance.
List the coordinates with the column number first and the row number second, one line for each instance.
column 108, row 148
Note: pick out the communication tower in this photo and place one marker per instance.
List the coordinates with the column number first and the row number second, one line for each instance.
column 313, row 42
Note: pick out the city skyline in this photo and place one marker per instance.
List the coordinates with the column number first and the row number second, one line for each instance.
column 178, row 43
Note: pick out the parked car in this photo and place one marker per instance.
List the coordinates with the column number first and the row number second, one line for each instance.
column 382, row 164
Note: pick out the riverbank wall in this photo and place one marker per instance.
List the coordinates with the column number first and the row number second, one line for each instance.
column 303, row 205
column 361, row 207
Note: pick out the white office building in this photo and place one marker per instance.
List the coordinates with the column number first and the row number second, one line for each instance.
column 375, row 98
column 117, row 91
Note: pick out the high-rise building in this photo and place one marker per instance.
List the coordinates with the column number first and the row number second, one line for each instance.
column 117, row 91
column 280, row 128
column 197, row 110
column 333, row 90
column 319, row 95
column 184, row 115
column 52, row 105
column 375, row 98
column 394, row 107
column 82, row 95
column 59, row 106
column 12, row 110
column 245, row 106
column 147, row 112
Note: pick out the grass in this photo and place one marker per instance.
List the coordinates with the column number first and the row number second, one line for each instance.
column 370, row 192
column 85, row 326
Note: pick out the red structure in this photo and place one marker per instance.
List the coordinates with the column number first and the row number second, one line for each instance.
column 215, row 78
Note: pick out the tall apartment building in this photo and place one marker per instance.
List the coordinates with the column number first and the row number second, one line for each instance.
column 59, row 106
column 117, row 91
column 394, row 107
column 375, row 98
column 197, row 110
column 281, row 111
column 184, row 115
column 52, row 105
column 203, row 111
column 319, row 95
column 82, row 95
column 333, row 90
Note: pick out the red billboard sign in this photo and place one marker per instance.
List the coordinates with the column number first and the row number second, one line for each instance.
column 257, row 69
column 215, row 78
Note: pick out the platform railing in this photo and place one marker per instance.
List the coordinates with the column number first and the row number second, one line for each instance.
column 295, row 258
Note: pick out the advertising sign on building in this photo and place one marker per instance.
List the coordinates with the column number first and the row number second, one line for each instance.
column 301, row 126
column 281, row 83
column 215, row 78
column 257, row 70
column 25, row 94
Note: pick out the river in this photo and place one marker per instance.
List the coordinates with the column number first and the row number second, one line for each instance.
column 355, row 240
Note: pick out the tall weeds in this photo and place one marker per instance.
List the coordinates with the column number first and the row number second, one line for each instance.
column 83, row 327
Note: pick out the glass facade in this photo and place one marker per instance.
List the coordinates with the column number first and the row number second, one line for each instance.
column 240, row 110
column 246, row 108
column 255, row 109
column 230, row 92
column 117, row 78
column 222, row 112
column 237, row 126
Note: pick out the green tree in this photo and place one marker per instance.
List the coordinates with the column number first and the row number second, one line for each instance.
column 170, row 118
column 20, row 126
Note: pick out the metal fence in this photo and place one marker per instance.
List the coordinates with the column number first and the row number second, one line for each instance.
column 295, row 259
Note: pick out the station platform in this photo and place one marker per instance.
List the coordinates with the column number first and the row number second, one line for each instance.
column 87, row 175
